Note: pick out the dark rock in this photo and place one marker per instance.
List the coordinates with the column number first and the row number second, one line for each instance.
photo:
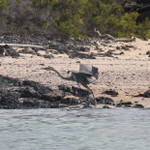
column 52, row 96
column 78, row 62
column 74, row 90
column 111, row 92
column 38, row 54
column 145, row 94
column 49, row 56
column 64, row 88
column 44, row 104
column 21, row 94
column 148, row 53
column 126, row 104
column 119, row 105
column 121, row 53
column 79, row 92
column 106, row 107
column 41, row 89
column 105, row 100
column 35, row 49
column 27, row 51
column 84, row 49
column 55, row 105
column 6, row 46
column 9, row 82
column 29, row 92
column 125, row 48
column 30, row 103
column 9, row 99
column 108, row 53
column 71, row 101
column 47, row 104
column 138, row 106
column 81, row 55
column 10, row 52
column 118, row 48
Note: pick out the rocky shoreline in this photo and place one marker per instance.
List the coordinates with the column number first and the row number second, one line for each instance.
column 24, row 93
column 17, row 94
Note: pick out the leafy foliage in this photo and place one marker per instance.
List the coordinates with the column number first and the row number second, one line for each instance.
column 3, row 4
column 77, row 18
column 40, row 3
column 143, row 29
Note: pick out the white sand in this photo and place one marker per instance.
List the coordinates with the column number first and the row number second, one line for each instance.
column 128, row 74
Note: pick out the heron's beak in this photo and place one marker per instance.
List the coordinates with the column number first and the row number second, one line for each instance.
column 47, row 68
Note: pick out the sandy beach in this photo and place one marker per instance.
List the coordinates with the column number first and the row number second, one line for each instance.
column 127, row 73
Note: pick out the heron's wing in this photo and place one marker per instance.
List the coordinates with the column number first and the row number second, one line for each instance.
column 82, row 73
column 89, row 70
column 85, row 68
column 88, row 77
column 81, row 78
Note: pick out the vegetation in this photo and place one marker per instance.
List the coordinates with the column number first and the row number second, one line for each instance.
column 3, row 4
column 78, row 18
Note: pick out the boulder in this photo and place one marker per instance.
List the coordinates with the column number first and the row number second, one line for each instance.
column 111, row 92
column 105, row 100
column 138, row 106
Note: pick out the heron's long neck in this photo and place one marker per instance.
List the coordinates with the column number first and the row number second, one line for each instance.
column 65, row 78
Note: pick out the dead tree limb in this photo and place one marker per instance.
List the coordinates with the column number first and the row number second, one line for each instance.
column 125, row 40
column 107, row 36
column 110, row 37
column 22, row 45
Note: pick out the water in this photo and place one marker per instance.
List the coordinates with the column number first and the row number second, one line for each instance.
column 84, row 129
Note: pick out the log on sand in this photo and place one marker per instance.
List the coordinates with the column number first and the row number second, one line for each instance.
column 110, row 37
column 22, row 45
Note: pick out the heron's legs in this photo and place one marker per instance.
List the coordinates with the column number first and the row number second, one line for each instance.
column 92, row 94
column 95, row 102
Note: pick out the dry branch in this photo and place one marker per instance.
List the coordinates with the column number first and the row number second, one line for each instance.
column 110, row 37
column 22, row 45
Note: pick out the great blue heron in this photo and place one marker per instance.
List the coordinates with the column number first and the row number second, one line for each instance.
column 83, row 76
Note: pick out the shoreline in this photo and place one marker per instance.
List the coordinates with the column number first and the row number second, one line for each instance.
column 123, row 68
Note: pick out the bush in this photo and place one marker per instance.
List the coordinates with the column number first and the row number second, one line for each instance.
column 3, row 4
column 69, row 21
column 126, row 25
column 143, row 29
column 71, row 18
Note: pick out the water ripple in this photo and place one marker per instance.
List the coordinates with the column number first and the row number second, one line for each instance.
column 85, row 129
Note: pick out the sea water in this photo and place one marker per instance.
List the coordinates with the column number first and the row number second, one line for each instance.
column 75, row 129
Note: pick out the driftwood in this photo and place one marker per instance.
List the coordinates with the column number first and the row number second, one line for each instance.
column 110, row 37
column 22, row 45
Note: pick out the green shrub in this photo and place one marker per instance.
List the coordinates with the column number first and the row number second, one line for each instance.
column 3, row 4
column 69, row 21
column 143, row 29
column 73, row 18
column 41, row 3
column 70, row 27
column 126, row 25
column 45, row 26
